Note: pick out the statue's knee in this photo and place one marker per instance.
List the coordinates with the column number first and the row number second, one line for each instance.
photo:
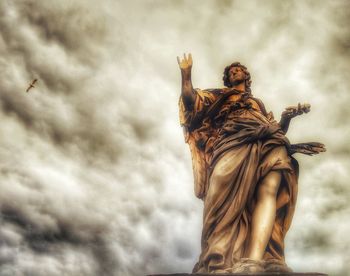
column 280, row 153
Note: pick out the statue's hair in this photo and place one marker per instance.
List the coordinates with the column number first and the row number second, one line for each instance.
column 247, row 76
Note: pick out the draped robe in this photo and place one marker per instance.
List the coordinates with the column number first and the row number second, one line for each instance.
column 234, row 146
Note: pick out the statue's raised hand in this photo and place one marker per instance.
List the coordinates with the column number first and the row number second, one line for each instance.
column 187, row 92
column 186, row 63
column 293, row 111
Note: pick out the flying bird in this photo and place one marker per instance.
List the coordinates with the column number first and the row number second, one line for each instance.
column 31, row 85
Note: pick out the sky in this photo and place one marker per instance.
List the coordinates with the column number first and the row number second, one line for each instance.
column 95, row 176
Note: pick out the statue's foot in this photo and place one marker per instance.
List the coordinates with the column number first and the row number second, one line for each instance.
column 246, row 265
column 274, row 265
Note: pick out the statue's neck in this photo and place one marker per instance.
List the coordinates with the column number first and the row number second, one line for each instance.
column 239, row 87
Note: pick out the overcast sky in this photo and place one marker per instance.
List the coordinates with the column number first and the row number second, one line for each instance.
column 95, row 177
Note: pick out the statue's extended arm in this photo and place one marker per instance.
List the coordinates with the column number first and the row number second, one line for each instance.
column 187, row 92
column 291, row 112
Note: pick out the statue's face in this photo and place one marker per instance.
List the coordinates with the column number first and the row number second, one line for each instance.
column 236, row 75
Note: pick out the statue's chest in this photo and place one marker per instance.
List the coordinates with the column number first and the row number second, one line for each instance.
column 233, row 107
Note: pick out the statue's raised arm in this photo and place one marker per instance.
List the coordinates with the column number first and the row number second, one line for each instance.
column 187, row 92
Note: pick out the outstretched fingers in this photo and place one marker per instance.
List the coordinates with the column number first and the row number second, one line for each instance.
column 306, row 107
column 185, row 62
column 178, row 60
column 190, row 58
column 293, row 111
column 187, row 58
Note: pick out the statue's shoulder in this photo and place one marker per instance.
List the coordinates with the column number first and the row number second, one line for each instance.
column 215, row 91
column 211, row 93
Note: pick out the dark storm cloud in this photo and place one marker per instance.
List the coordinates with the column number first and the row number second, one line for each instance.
column 95, row 175
column 54, row 44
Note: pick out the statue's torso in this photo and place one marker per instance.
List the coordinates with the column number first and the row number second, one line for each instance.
column 213, row 129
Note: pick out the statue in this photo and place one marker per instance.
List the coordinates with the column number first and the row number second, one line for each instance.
column 244, row 171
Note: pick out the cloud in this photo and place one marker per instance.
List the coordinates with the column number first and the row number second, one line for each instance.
column 95, row 176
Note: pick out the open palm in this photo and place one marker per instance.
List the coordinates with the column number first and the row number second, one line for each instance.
column 185, row 63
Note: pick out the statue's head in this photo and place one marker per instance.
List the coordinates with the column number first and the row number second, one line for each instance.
column 237, row 73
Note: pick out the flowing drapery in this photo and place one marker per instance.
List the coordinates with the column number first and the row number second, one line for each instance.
column 233, row 149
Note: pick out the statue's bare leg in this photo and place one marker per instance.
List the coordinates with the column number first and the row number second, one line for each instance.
column 264, row 215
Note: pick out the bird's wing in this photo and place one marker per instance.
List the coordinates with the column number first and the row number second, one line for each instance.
column 30, row 87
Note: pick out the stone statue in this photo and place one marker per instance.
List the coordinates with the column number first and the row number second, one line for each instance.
column 244, row 172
